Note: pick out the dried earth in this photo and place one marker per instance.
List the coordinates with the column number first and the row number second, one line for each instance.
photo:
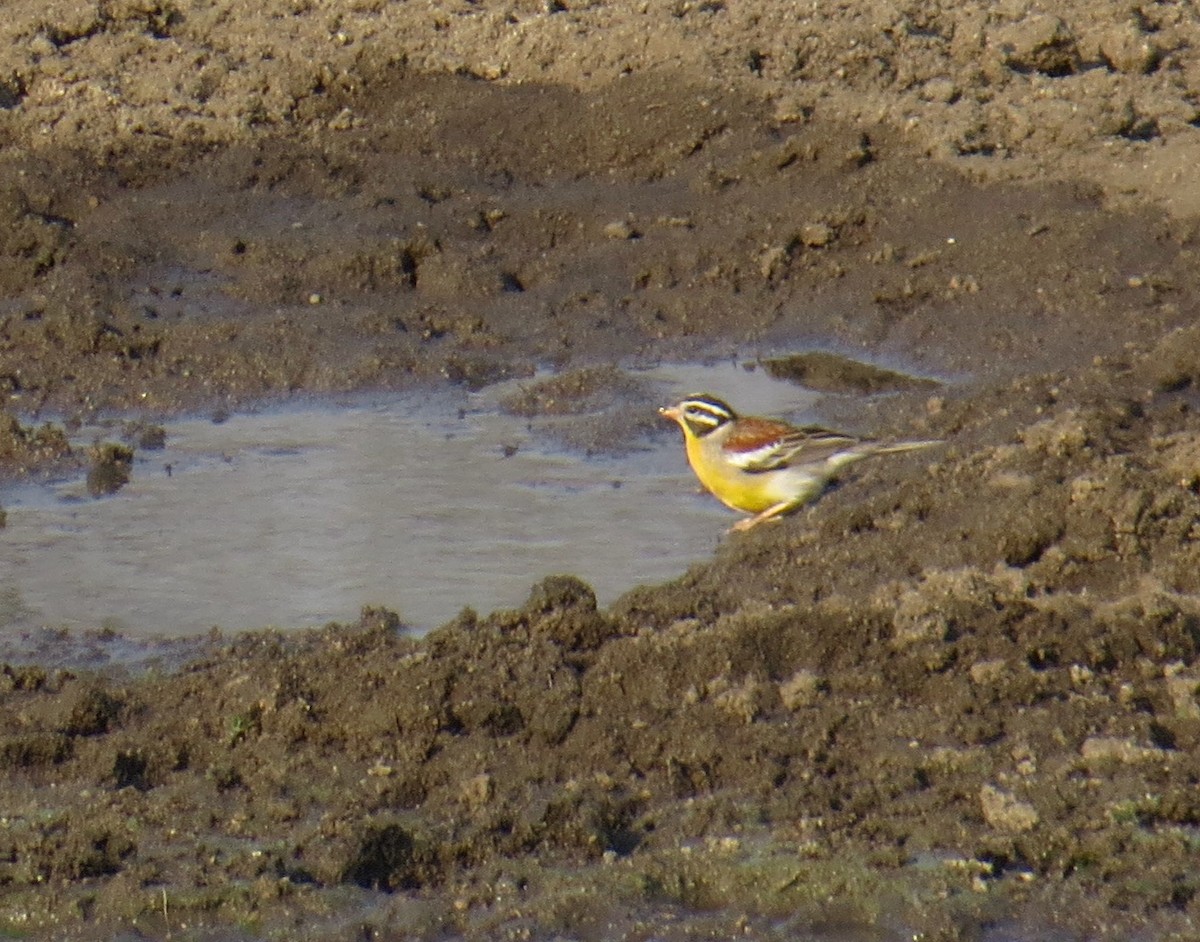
column 955, row 699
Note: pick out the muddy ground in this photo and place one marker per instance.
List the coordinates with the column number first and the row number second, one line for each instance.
column 957, row 696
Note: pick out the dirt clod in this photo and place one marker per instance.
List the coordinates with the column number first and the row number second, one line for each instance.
column 111, row 466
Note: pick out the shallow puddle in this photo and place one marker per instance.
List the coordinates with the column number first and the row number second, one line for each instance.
column 424, row 504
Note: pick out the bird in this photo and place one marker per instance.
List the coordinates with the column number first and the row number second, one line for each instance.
column 766, row 467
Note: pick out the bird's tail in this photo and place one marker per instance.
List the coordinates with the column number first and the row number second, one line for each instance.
column 886, row 449
column 834, row 463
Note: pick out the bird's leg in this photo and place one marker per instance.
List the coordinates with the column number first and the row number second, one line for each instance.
column 771, row 513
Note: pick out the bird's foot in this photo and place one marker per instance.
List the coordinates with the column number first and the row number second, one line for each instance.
column 750, row 523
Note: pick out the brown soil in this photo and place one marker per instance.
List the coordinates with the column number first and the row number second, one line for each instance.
column 957, row 693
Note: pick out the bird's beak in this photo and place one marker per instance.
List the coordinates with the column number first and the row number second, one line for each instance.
column 670, row 412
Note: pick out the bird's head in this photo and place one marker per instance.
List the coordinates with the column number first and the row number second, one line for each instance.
column 699, row 415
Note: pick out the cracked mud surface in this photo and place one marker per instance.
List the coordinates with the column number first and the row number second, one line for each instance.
column 956, row 694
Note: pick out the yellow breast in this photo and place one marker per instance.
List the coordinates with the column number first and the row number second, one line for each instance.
column 731, row 485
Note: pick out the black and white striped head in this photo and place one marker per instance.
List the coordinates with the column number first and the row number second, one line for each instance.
column 701, row 415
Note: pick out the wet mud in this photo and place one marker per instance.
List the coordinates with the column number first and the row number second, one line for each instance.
column 958, row 696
